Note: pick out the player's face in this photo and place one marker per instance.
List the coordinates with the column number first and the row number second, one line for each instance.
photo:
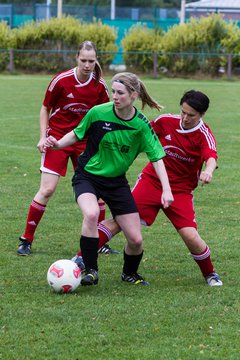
column 189, row 116
column 86, row 61
column 121, row 97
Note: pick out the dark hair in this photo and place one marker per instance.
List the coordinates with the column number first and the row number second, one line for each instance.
column 197, row 100
column 89, row 45
column 133, row 83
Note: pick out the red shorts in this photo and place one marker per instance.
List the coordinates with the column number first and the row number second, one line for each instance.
column 148, row 200
column 56, row 161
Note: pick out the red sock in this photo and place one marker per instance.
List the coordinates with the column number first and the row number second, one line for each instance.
column 102, row 211
column 204, row 262
column 104, row 236
column 35, row 214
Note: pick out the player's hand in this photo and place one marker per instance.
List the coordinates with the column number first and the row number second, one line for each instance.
column 167, row 198
column 40, row 144
column 205, row 177
column 50, row 142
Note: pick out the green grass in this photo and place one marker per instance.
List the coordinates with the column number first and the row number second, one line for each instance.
column 178, row 316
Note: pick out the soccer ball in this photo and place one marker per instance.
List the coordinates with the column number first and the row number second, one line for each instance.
column 64, row 276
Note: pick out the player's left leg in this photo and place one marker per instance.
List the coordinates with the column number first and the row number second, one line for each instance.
column 133, row 252
column 182, row 215
column 201, row 254
column 105, row 235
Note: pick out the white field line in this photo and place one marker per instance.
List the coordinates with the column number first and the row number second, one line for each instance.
column 185, row 81
column 17, row 147
column 22, row 77
column 147, row 81
column 21, row 117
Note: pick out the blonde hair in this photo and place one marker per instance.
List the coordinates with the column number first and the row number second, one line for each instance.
column 89, row 45
column 133, row 83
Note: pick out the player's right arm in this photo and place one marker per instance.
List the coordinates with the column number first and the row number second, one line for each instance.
column 67, row 140
column 44, row 116
column 167, row 196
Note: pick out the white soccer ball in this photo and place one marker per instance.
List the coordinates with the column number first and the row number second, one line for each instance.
column 64, row 276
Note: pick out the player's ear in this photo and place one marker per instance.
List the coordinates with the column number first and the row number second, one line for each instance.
column 77, row 55
column 134, row 95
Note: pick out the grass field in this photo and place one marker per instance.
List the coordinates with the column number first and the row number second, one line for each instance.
column 178, row 317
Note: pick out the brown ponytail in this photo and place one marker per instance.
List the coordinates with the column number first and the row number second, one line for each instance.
column 133, row 83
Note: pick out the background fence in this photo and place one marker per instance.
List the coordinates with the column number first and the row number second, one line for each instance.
column 66, row 59
column 125, row 17
column 17, row 14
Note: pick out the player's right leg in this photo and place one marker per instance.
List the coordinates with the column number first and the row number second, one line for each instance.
column 78, row 148
column 88, row 204
column 36, row 210
column 106, row 230
column 53, row 165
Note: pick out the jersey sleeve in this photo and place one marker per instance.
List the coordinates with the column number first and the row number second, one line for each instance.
column 153, row 147
column 84, row 125
column 53, row 93
column 208, row 144
column 158, row 123
column 103, row 93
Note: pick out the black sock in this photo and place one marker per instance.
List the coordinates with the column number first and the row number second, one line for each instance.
column 89, row 248
column 131, row 263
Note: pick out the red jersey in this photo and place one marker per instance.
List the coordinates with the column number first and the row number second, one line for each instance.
column 186, row 151
column 69, row 100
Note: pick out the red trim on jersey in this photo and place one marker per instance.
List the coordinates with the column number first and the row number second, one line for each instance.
column 59, row 77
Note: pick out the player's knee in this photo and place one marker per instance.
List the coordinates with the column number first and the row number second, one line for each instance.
column 47, row 192
column 190, row 235
column 135, row 242
column 91, row 217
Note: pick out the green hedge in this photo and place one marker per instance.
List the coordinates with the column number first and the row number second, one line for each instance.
column 207, row 35
column 50, row 46
column 59, row 40
column 6, row 42
column 203, row 36
column 138, row 41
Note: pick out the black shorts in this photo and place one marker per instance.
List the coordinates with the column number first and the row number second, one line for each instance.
column 115, row 191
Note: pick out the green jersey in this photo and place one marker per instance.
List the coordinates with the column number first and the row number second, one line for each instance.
column 114, row 143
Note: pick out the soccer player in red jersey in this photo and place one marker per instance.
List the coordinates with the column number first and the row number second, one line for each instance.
column 189, row 144
column 69, row 96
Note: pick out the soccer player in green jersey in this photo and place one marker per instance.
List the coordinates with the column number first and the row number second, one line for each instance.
column 117, row 132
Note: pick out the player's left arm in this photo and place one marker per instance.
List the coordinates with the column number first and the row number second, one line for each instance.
column 209, row 155
column 207, row 174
